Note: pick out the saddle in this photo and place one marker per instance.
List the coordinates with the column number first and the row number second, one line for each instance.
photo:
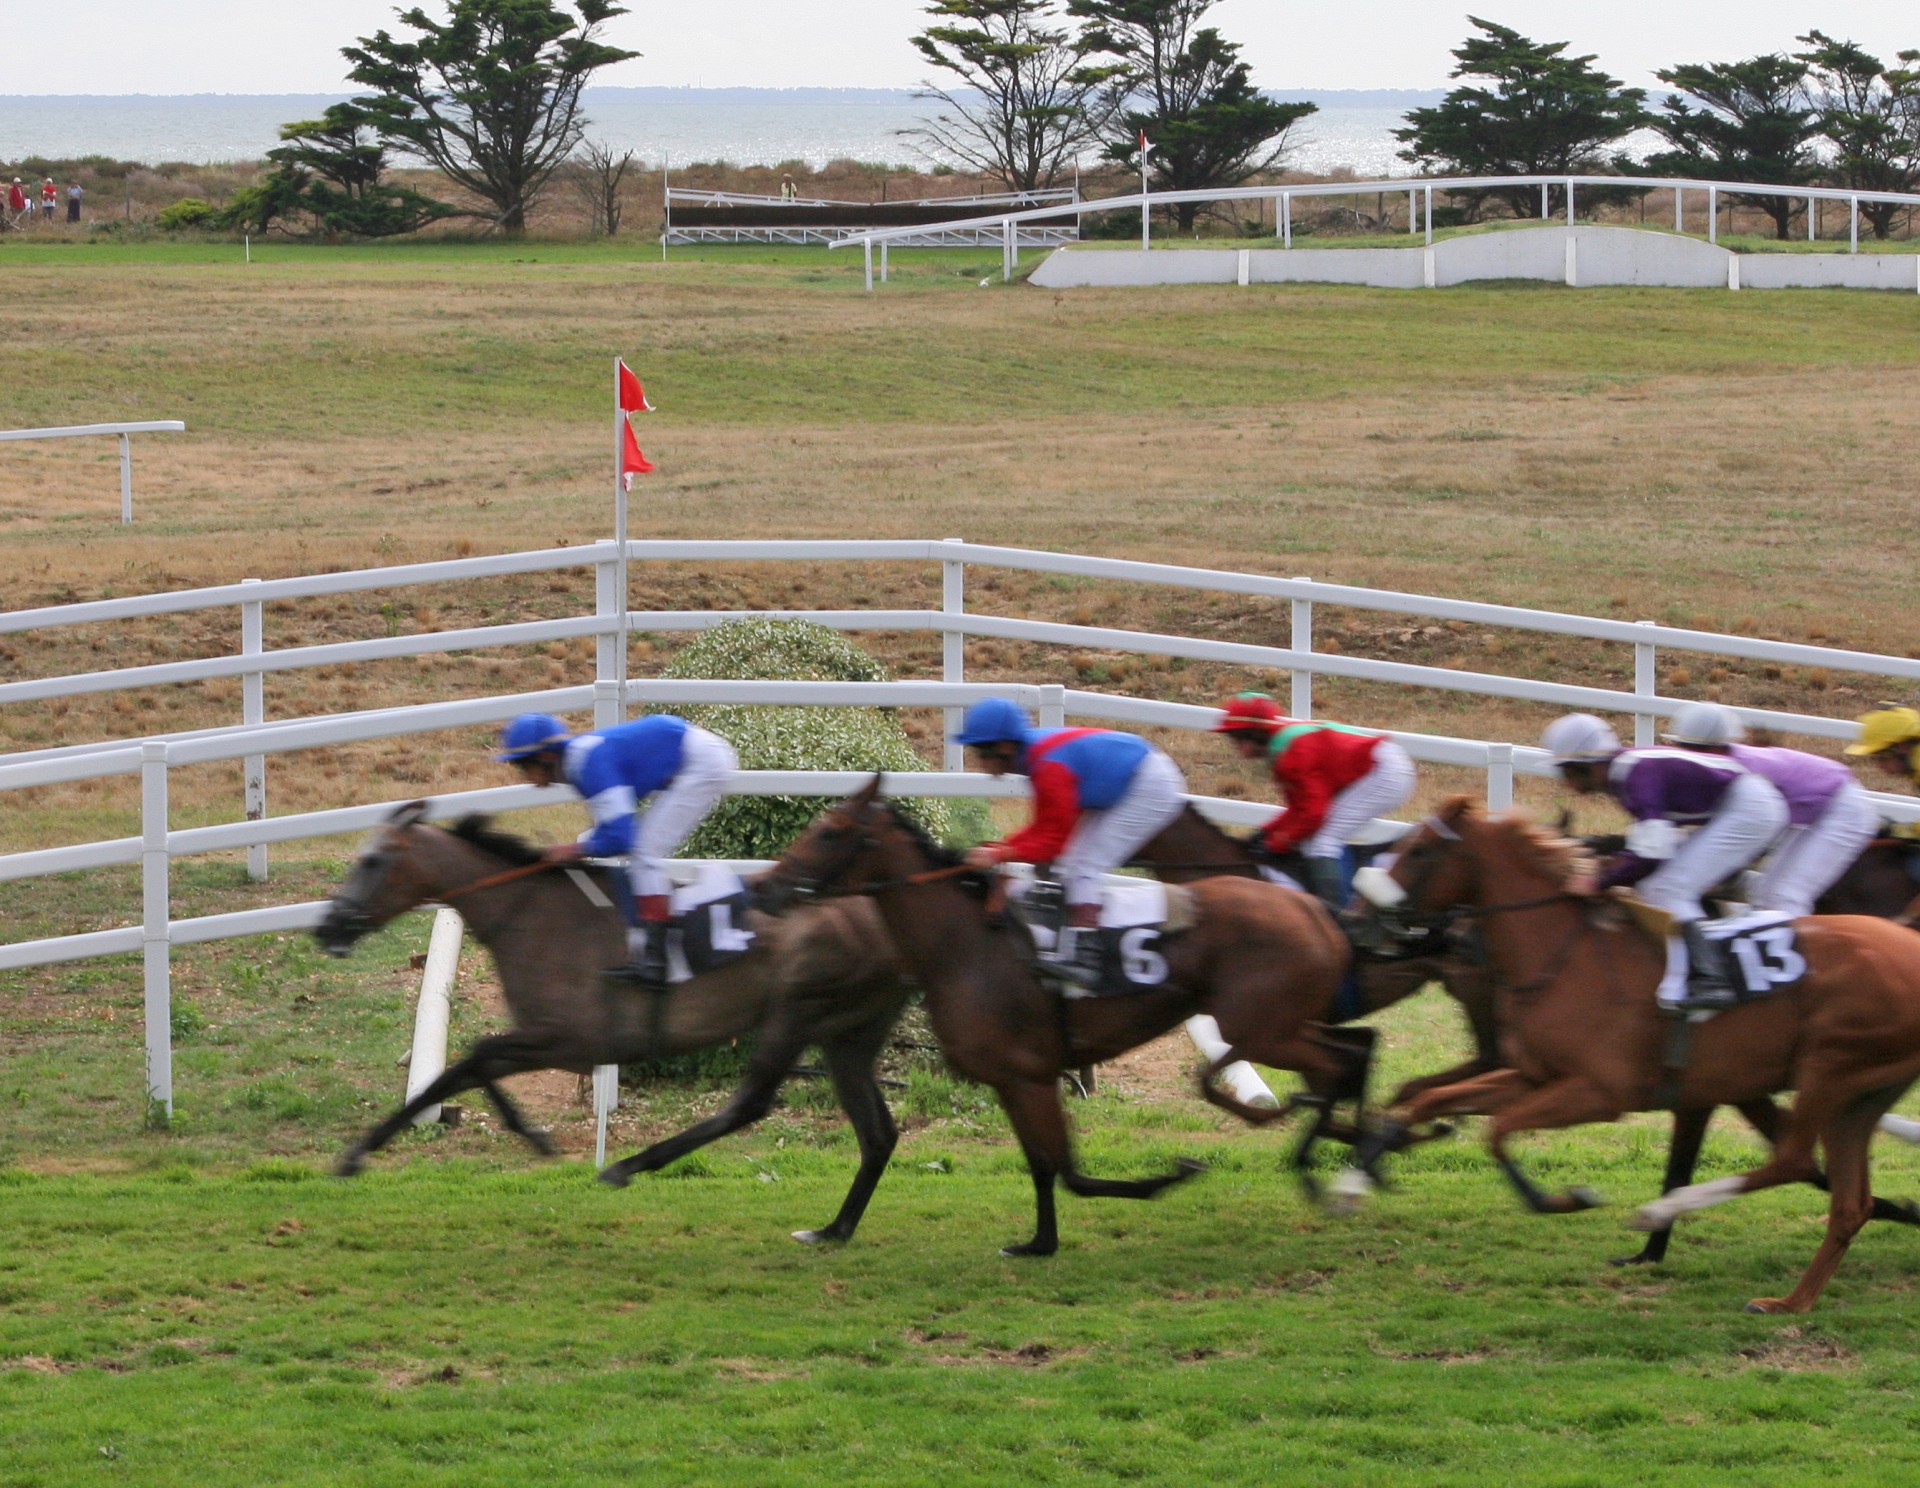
column 1136, row 920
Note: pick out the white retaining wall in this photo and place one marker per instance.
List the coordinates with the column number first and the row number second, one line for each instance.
column 1584, row 257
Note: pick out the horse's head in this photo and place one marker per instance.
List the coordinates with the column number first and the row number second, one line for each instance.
column 1430, row 877
column 838, row 850
column 385, row 882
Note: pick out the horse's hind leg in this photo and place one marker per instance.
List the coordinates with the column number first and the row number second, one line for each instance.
column 514, row 1122
column 850, row 1061
column 1683, row 1155
column 1850, row 1200
column 491, row 1058
column 773, row 1058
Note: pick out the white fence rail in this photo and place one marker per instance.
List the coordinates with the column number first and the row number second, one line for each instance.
column 1420, row 192
column 86, row 431
column 254, row 739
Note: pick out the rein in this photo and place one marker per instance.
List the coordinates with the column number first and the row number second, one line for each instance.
column 494, row 880
column 911, row 881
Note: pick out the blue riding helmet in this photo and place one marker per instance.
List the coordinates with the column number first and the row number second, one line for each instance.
column 529, row 734
column 994, row 721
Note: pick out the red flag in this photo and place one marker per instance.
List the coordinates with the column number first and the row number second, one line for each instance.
column 1144, row 146
column 632, row 462
column 633, row 397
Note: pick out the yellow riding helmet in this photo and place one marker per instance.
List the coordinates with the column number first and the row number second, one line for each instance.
column 1883, row 728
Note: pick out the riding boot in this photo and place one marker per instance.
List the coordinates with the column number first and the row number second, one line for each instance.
column 1076, row 954
column 1704, row 984
column 649, row 968
column 1328, row 881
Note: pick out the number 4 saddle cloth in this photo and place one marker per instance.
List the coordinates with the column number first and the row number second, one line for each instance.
column 1136, row 920
column 1758, row 951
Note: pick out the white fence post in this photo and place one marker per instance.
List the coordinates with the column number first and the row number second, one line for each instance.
column 1644, row 684
column 126, row 478
column 1053, row 706
column 606, row 1098
column 1713, row 214
column 883, row 261
column 1853, row 230
column 1429, row 216
column 1300, row 705
column 1679, row 209
column 1286, row 219
column 1545, row 210
column 868, row 247
column 1009, row 255
column 1499, row 777
column 253, row 711
column 953, row 654
column 606, row 647
column 155, row 913
column 430, row 1019
column 1569, row 201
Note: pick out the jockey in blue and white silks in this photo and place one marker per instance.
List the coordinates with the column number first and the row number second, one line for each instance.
column 1729, row 816
column 682, row 766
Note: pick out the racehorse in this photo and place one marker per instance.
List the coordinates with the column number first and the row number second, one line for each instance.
column 1879, row 882
column 1590, row 1044
column 1261, row 960
column 826, row 977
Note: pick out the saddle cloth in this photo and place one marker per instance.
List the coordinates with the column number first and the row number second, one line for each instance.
column 1136, row 917
column 709, row 926
column 1761, row 950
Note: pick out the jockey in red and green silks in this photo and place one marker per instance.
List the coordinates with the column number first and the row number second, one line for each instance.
column 1334, row 780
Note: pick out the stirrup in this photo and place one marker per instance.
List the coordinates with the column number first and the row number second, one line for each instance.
column 643, row 973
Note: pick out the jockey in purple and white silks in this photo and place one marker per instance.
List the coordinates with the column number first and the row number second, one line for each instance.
column 1830, row 818
column 1734, row 815
column 681, row 765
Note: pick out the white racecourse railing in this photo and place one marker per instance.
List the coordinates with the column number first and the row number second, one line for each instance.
column 83, row 431
column 1419, row 191
column 253, row 739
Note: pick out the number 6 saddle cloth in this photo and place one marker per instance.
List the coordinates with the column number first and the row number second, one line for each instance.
column 1136, row 919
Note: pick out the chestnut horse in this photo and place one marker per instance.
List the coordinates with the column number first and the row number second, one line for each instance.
column 827, row 977
column 1588, row 1039
column 1262, row 960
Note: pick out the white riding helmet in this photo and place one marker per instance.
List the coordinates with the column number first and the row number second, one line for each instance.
column 1706, row 723
column 1580, row 738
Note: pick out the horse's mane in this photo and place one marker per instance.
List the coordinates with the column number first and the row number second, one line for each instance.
column 942, row 855
column 1560, row 856
column 480, row 832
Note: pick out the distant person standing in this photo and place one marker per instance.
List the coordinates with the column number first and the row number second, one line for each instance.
column 49, row 200
column 16, row 201
column 788, row 191
column 76, row 193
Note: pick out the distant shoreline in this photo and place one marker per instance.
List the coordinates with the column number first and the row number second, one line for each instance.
column 1372, row 98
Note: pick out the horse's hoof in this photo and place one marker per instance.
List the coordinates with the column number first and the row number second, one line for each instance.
column 828, row 1236
column 1639, row 1258
column 1648, row 1218
column 615, row 1175
column 1186, row 1167
column 1027, row 1248
column 542, row 1143
column 350, row 1165
column 1584, row 1198
column 1768, row 1306
column 1348, row 1191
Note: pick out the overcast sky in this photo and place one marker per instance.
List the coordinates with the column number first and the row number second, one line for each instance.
column 292, row 46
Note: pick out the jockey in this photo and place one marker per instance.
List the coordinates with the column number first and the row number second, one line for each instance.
column 1830, row 818
column 1334, row 780
column 1098, row 796
column 1890, row 737
column 613, row 770
column 1738, row 814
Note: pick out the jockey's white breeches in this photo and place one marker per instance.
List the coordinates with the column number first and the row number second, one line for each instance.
column 1386, row 787
column 1105, row 840
column 707, row 763
column 1810, row 859
column 1751, row 816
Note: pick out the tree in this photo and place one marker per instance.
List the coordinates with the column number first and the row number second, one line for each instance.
column 334, row 167
column 491, row 95
column 1545, row 114
column 1870, row 114
column 597, row 175
column 1752, row 123
column 1024, row 101
column 1185, row 88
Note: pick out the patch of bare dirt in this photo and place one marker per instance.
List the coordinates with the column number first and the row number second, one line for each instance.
column 1162, row 1070
column 1800, row 1351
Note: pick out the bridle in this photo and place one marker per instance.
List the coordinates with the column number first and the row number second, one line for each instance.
column 352, row 914
column 822, row 883
column 1406, row 924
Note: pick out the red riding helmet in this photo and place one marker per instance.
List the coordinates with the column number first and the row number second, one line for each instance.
column 1249, row 713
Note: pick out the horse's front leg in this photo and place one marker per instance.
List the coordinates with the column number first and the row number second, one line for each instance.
column 1397, row 1129
column 1570, row 1102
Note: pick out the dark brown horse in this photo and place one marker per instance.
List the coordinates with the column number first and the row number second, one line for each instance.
column 1589, row 1042
column 1263, row 961
column 826, row 976
column 1879, row 882
column 1193, row 848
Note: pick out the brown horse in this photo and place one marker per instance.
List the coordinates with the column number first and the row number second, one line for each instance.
column 826, row 977
column 1879, row 882
column 1192, row 848
column 1589, row 1041
column 1262, row 960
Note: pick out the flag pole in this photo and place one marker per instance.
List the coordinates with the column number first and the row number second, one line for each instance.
column 620, row 536
column 1145, row 243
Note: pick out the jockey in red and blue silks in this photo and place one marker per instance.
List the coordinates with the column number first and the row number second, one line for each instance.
column 685, row 768
column 1098, row 797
